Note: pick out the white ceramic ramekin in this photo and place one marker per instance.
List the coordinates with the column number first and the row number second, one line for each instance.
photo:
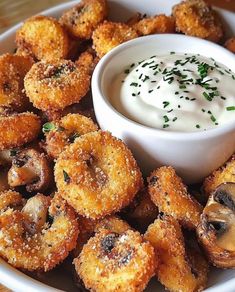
column 193, row 154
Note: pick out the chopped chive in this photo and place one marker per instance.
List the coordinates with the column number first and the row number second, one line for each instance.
column 170, row 111
column 133, row 94
column 127, row 71
column 230, row 108
column 134, row 84
column 172, row 53
column 177, row 92
column 182, row 86
column 150, row 91
column 203, row 110
column 174, row 119
column 132, row 65
column 207, row 96
column 166, row 119
column 179, row 106
column 165, row 103
column 213, row 118
column 165, row 126
column 145, row 78
column 47, row 127
column 198, row 126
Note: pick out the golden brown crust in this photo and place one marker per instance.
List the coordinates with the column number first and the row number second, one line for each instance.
column 179, row 269
column 18, row 129
column 111, row 34
column 170, row 195
column 81, row 20
column 226, row 173
column 196, row 18
column 38, row 249
column 43, row 37
column 65, row 131
column 157, row 24
column 97, row 175
column 13, row 69
column 230, row 44
column 55, row 85
column 116, row 262
column 88, row 227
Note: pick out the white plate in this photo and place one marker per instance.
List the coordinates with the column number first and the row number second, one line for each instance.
column 219, row 280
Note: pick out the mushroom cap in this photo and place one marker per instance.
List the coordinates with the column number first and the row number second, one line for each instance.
column 216, row 230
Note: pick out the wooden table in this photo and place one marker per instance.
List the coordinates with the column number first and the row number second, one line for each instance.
column 226, row 4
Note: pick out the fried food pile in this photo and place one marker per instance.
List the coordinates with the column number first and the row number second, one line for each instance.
column 70, row 190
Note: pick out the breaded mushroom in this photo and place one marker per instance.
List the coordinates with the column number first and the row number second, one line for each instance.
column 170, row 195
column 62, row 133
column 18, row 129
column 97, row 175
column 157, row 24
column 44, row 38
column 196, row 18
column 180, row 268
column 55, row 85
column 230, row 44
column 32, row 242
column 111, row 34
column 226, row 173
column 81, row 20
column 116, row 262
column 13, row 69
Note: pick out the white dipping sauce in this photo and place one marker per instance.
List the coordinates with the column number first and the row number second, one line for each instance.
column 176, row 92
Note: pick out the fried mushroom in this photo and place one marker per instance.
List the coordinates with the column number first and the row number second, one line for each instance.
column 43, row 37
column 196, row 18
column 18, row 129
column 230, row 44
column 226, row 173
column 30, row 168
column 52, row 86
column 63, row 132
column 116, row 262
column 157, row 24
column 29, row 240
column 111, row 34
column 81, row 20
column 13, row 69
column 97, row 175
column 179, row 268
column 216, row 231
column 170, row 195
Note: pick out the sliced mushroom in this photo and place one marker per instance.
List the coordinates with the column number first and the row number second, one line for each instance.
column 36, row 209
column 216, row 230
column 30, row 168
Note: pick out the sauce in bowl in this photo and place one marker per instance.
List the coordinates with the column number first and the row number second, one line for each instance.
column 176, row 92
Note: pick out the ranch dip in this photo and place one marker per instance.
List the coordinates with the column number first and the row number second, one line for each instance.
column 176, row 92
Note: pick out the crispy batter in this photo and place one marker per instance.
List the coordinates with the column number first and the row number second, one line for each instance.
column 81, row 20
column 27, row 242
column 10, row 199
column 30, row 168
column 230, row 44
column 141, row 212
column 43, row 37
column 88, row 60
column 65, row 131
column 13, row 69
column 196, row 18
column 116, row 262
column 53, row 86
column 170, row 195
column 97, row 175
column 157, row 24
column 226, row 173
column 111, row 34
column 179, row 269
column 88, row 227
column 18, row 129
